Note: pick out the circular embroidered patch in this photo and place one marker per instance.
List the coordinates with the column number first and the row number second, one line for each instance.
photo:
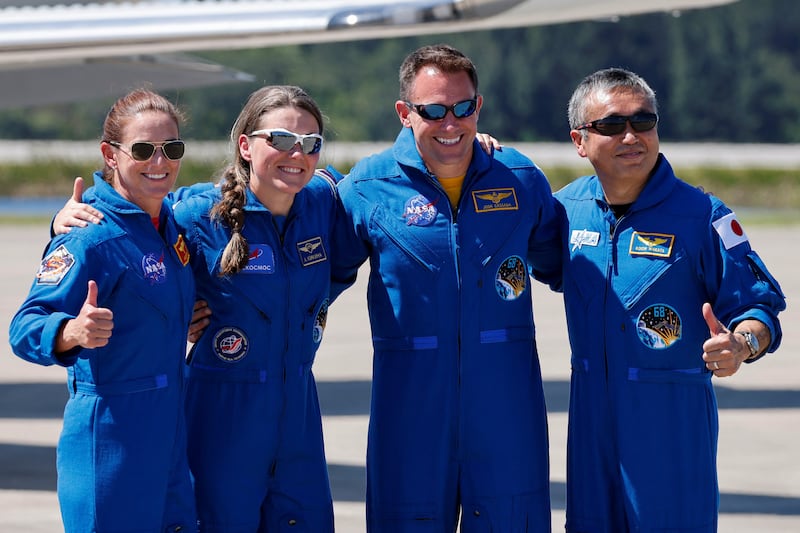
column 319, row 322
column 659, row 326
column 230, row 344
column 511, row 278
column 419, row 211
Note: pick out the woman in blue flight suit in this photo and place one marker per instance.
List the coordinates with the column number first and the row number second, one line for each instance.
column 112, row 303
column 260, row 246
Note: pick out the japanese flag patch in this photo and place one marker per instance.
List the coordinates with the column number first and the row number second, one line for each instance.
column 730, row 231
column 55, row 266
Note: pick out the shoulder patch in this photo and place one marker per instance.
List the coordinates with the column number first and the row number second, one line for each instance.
column 730, row 231
column 55, row 266
column 182, row 250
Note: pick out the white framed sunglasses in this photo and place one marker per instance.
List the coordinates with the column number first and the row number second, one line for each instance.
column 285, row 140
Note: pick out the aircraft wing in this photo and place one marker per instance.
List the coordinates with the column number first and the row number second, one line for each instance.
column 67, row 52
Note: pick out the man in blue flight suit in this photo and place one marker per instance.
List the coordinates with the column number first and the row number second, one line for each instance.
column 651, row 263
column 458, row 422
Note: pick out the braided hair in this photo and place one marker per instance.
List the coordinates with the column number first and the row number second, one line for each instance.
column 236, row 176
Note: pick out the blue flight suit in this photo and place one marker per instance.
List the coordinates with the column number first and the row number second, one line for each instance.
column 121, row 457
column 643, row 422
column 458, row 412
column 255, row 431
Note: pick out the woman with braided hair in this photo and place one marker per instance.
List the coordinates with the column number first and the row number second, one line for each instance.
column 260, row 244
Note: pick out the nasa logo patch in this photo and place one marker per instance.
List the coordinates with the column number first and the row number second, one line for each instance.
column 154, row 269
column 659, row 327
column 511, row 278
column 230, row 344
column 419, row 211
column 319, row 322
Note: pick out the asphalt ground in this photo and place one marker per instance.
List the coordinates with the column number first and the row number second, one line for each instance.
column 759, row 474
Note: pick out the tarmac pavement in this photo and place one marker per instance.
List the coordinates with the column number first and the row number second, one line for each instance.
column 759, row 407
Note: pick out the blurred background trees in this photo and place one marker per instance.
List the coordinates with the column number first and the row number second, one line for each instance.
column 728, row 74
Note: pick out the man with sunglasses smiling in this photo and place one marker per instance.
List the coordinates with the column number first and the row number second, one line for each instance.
column 458, row 429
column 662, row 292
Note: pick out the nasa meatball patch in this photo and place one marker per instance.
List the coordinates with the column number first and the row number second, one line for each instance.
column 230, row 344
column 153, row 268
column 419, row 211
column 659, row 327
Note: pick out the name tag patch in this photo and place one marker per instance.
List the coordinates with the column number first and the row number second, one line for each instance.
column 503, row 199
column 652, row 244
column 311, row 251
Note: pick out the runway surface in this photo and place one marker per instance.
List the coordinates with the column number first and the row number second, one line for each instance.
column 759, row 407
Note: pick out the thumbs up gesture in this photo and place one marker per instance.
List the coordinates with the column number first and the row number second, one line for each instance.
column 722, row 352
column 91, row 328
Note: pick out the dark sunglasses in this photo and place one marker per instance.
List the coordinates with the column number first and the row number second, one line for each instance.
column 143, row 151
column 616, row 124
column 285, row 140
column 461, row 109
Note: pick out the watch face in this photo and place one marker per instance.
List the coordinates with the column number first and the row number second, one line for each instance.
column 751, row 340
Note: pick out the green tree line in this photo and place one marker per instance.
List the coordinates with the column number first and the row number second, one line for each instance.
column 729, row 74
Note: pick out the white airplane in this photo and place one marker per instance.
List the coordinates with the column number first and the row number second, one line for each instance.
column 64, row 52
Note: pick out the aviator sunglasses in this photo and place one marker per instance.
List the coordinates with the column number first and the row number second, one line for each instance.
column 143, row 151
column 285, row 140
column 461, row 109
column 616, row 124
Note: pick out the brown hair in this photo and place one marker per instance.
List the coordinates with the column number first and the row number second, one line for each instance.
column 442, row 56
column 236, row 176
column 128, row 106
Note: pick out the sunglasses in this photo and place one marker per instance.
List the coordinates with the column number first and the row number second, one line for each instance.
column 616, row 124
column 461, row 109
column 143, row 151
column 284, row 140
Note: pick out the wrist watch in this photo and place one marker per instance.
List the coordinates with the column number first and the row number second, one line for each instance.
column 751, row 341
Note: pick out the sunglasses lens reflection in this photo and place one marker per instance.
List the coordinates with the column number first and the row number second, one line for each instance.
column 432, row 111
column 285, row 141
column 464, row 109
column 461, row 109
